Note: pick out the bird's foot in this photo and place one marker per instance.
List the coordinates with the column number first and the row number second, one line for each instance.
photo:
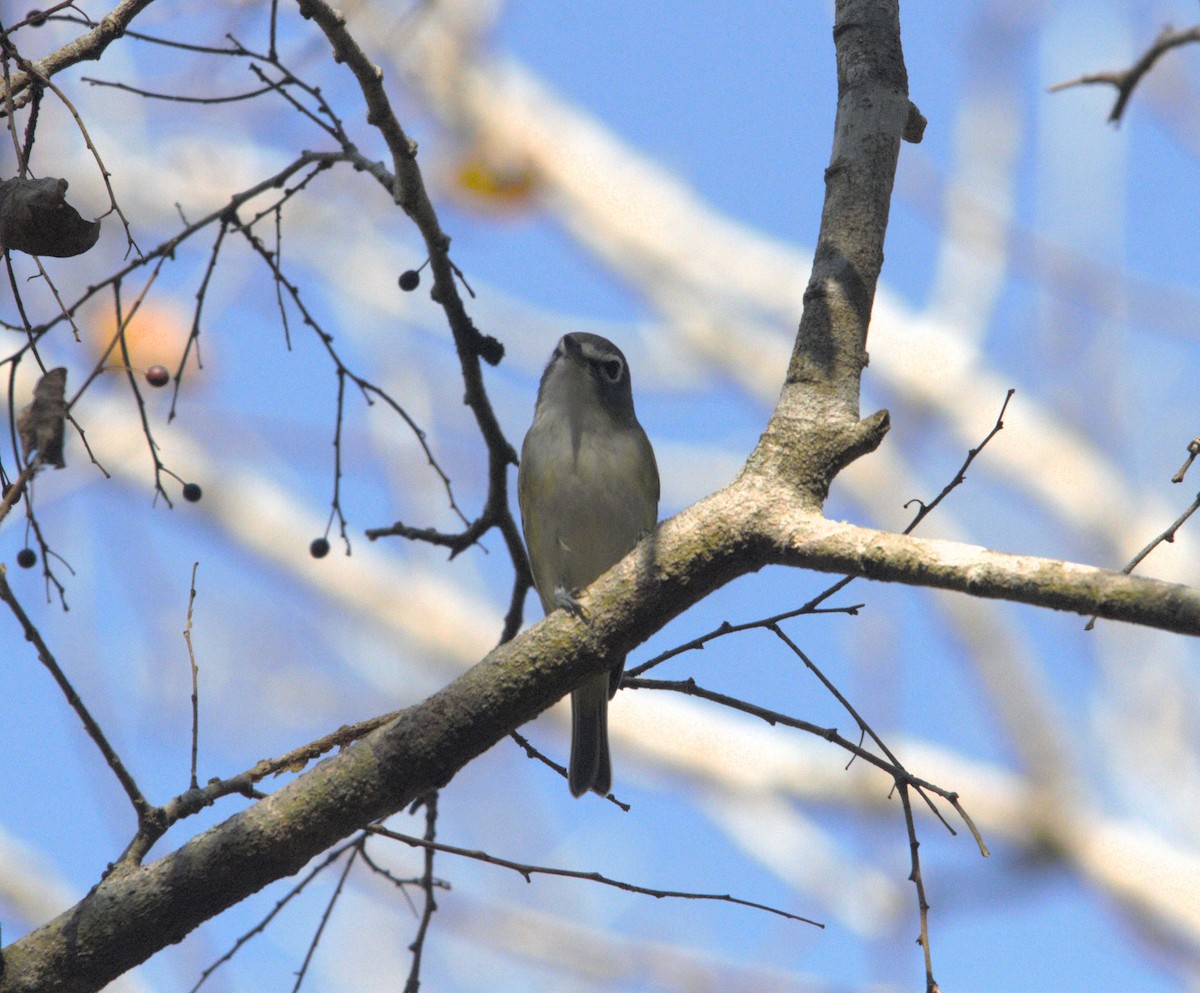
column 565, row 599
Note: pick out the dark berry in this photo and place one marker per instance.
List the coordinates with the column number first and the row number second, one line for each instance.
column 26, row 558
column 192, row 492
column 410, row 279
column 36, row 18
column 157, row 376
column 319, row 548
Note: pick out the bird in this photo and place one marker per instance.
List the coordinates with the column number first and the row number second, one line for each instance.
column 588, row 489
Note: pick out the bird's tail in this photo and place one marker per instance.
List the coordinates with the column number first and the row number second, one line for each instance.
column 590, row 767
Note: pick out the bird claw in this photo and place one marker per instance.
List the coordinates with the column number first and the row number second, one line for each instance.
column 566, row 600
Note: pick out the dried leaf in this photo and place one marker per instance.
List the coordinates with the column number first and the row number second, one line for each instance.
column 41, row 424
column 36, row 218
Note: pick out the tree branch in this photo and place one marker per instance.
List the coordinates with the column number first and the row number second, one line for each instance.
column 1126, row 80
column 87, row 46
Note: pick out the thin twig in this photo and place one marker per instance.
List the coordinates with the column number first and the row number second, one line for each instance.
column 961, row 476
column 529, row 871
column 175, row 97
column 193, row 339
column 261, row 926
column 813, row 606
column 1166, row 536
column 160, row 467
column 168, row 248
column 724, row 628
column 46, row 657
column 336, row 502
column 863, row 726
column 12, row 492
column 538, row 756
column 918, row 881
column 1126, row 80
column 368, row 388
column 690, row 687
column 1193, row 449
column 333, row 899
column 187, row 636
column 408, row 191
column 428, row 882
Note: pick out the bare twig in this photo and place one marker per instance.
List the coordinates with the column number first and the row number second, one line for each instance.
column 335, row 509
column 46, row 657
column 1193, row 449
column 918, row 881
column 176, row 97
column 408, row 190
column 1166, row 536
column 538, row 756
column 344, row 372
column 428, row 882
column 168, row 248
column 298, row 758
column 261, row 926
column 960, row 477
column 333, row 899
column 193, row 340
column 187, row 636
column 690, row 687
column 901, row 773
column 122, row 325
column 813, row 606
column 12, row 492
column 1126, row 80
column 724, row 628
column 529, row 871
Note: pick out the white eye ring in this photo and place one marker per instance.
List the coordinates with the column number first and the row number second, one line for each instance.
column 612, row 369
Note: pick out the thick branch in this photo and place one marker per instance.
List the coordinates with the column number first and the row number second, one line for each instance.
column 872, row 112
column 814, row 431
column 138, row 910
column 830, row 546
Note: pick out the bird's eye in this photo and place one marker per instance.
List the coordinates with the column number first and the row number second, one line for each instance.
column 612, row 369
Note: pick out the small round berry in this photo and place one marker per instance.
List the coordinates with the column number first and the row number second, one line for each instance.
column 192, row 492
column 319, row 548
column 36, row 18
column 410, row 279
column 26, row 558
column 157, row 376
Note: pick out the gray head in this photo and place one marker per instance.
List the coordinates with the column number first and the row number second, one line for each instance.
column 586, row 367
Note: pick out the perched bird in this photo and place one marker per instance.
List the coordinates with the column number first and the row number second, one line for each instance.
column 588, row 489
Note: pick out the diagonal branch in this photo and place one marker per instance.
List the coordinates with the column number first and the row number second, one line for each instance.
column 137, row 910
column 87, row 46
column 46, row 657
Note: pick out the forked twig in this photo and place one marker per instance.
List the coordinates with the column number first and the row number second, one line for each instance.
column 813, row 606
column 1165, row 536
column 1126, row 80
